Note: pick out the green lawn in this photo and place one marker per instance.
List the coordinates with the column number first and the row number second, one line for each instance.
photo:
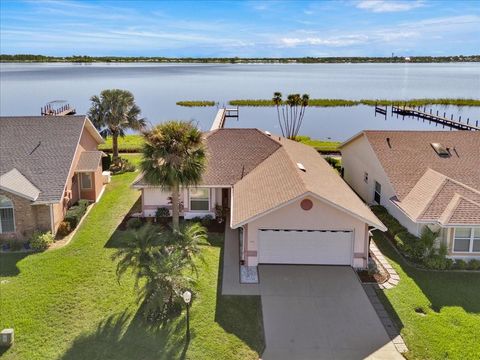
column 68, row 304
column 451, row 300
column 320, row 145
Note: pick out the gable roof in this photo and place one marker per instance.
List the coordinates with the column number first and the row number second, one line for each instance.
column 278, row 180
column 424, row 182
column 42, row 149
column 89, row 161
column 14, row 182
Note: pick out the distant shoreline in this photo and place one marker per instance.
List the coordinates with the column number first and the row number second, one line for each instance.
column 20, row 58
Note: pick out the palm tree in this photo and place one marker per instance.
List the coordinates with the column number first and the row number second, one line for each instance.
column 113, row 112
column 173, row 156
column 293, row 111
column 187, row 242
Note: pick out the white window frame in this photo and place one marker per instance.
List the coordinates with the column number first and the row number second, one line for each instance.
column 13, row 217
column 471, row 238
column 81, row 181
column 375, row 192
column 190, row 200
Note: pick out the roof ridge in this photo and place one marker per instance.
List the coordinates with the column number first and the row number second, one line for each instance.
column 434, row 196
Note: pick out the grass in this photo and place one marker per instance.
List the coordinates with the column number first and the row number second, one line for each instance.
column 319, row 145
column 372, row 102
column 128, row 143
column 451, row 327
column 68, row 304
column 196, row 103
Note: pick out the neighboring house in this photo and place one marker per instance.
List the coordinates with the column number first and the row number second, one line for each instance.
column 291, row 207
column 47, row 163
column 423, row 178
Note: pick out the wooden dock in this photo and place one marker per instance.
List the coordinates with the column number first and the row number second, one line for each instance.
column 222, row 115
column 430, row 116
column 64, row 110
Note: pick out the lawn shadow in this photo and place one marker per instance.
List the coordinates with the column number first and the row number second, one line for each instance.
column 239, row 315
column 127, row 336
column 9, row 261
column 442, row 288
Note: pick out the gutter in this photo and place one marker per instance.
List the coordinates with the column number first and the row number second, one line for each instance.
column 52, row 222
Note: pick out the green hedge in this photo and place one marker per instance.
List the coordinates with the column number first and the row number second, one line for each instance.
column 394, row 227
column 75, row 213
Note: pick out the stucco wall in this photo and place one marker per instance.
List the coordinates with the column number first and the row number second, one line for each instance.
column 321, row 217
column 358, row 157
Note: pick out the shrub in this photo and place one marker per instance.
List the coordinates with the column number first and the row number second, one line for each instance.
column 83, row 204
column 438, row 262
column 162, row 212
column 410, row 245
column 41, row 241
column 394, row 227
column 196, row 219
column 134, row 223
column 460, row 264
column 207, row 220
column 15, row 244
column 64, row 228
column 75, row 213
column 121, row 166
column 473, row 264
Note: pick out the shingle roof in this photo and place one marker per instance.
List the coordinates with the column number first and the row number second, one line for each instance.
column 14, row 182
column 424, row 182
column 411, row 154
column 41, row 148
column 89, row 161
column 278, row 180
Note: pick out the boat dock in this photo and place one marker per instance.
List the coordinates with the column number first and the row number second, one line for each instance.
column 430, row 116
column 49, row 110
column 222, row 115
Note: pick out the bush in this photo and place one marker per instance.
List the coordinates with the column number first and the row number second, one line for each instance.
column 410, row 245
column 64, row 228
column 162, row 212
column 207, row 220
column 460, row 264
column 394, row 227
column 196, row 219
column 75, row 213
column 473, row 264
column 41, row 241
column 84, row 204
column 438, row 262
column 134, row 223
column 121, row 166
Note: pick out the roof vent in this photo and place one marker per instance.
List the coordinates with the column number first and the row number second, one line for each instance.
column 268, row 133
column 301, row 167
column 440, row 150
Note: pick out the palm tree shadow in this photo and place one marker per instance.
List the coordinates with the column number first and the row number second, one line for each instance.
column 129, row 336
column 9, row 263
column 240, row 315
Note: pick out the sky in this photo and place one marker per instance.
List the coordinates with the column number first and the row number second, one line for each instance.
column 240, row 28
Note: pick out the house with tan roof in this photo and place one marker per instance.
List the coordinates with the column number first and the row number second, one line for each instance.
column 287, row 204
column 423, row 178
column 47, row 163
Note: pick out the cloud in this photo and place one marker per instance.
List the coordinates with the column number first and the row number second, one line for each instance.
column 333, row 41
column 382, row 6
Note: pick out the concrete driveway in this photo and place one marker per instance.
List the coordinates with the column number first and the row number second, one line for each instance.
column 319, row 312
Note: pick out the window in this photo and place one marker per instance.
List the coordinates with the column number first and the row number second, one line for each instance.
column 466, row 240
column 365, row 177
column 7, row 221
column 86, row 181
column 378, row 193
column 199, row 199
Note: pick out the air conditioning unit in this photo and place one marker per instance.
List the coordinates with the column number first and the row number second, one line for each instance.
column 6, row 337
column 107, row 177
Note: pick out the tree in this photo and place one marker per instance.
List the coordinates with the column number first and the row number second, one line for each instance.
column 292, row 112
column 113, row 112
column 173, row 157
column 160, row 259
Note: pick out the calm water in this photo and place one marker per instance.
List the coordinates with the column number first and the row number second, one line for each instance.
column 24, row 88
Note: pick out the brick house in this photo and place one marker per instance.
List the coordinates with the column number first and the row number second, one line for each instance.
column 47, row 164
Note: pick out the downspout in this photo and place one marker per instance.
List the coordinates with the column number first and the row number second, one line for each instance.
column 52, row 222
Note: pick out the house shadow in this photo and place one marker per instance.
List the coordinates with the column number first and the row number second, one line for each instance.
column 9, row 263
column 239, row 315
column 442, row 288
column 127, row 336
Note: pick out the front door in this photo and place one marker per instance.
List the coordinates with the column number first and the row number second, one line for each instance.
column 225, row 197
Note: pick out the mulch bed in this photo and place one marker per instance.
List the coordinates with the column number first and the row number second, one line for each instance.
column 367, row 277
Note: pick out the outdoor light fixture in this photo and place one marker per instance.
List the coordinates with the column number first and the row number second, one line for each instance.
column 187, row 297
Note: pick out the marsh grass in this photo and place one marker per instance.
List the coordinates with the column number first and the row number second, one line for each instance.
column 196, row 103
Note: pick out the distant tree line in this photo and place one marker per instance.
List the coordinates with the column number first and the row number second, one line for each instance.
column 235, row 60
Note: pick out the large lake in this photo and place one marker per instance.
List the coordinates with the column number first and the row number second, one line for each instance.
column 24, row 88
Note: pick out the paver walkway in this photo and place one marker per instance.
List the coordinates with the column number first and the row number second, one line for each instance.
column 393, row 277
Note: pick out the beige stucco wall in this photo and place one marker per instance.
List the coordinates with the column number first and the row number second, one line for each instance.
column 358, row 157
column 321, row 217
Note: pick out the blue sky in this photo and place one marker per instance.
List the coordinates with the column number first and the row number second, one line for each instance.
column 241, row 28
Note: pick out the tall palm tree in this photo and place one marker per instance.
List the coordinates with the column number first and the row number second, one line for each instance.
column 113, row 112
column 173, row 156
column 293, row 111
column 187, row 243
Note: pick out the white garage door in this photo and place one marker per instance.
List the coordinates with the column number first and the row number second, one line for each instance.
column 324, row 247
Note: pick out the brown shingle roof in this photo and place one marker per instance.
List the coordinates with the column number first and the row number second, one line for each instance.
column 426, row 183
column 89, row 161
